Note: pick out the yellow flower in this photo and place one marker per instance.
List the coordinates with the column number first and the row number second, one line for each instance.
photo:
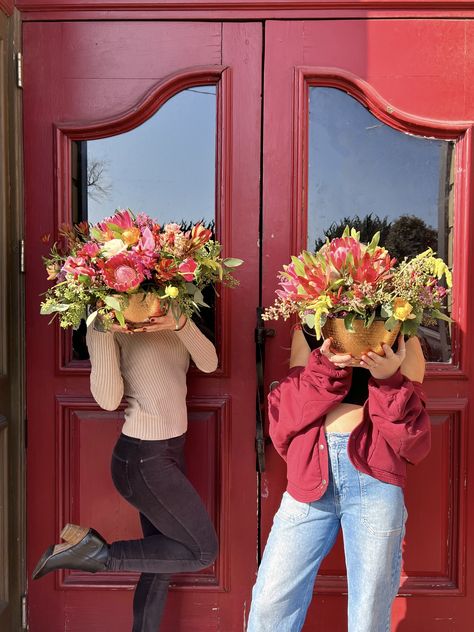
column 402, row 309
column 131, row 235
column 171, row 291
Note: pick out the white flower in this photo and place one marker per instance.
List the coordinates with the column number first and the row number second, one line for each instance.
column 113, row 247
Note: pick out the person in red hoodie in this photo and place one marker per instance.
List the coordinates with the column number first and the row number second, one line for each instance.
column 347, row 434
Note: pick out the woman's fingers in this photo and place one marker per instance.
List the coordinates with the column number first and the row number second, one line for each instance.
column 326, row 346
column 401, row 351
column 340, row 360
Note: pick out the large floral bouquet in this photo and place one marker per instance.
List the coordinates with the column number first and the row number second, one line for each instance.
column 348, row 279
column 97, row 269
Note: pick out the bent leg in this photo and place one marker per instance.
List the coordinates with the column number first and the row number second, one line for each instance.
column 301, row 536
column 149, row 475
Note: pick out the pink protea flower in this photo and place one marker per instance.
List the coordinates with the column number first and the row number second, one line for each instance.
column 188, row 268
column 347, row 256
column 122, row 219
column 78, row 266
column 123, row 272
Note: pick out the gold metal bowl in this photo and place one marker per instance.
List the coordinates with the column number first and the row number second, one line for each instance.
column 142, row 306
column 360, row 340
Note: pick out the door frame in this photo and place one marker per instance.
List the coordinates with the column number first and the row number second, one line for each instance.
column 12, row 348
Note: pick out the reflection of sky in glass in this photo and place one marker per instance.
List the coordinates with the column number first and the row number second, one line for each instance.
column 165, row 167
column 358, row 165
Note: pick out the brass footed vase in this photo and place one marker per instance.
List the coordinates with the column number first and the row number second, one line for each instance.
column 362, row 339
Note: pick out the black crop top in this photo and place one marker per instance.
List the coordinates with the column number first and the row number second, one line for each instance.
column 359, row 389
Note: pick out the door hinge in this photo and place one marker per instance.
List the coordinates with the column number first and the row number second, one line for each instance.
column 24, row 613
column 19, row 70
column 22, row 255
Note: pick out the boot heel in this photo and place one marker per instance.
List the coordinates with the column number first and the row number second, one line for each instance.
column 73, row 533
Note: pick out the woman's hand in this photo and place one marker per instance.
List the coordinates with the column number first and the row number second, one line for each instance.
column 156, row 323
column 383, row 367
column 341, row 360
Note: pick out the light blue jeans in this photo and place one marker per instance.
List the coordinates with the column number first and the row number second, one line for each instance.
column 372, row 516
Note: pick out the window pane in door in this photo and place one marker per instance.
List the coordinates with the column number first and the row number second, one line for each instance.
column 166, row 168
column 366, row 174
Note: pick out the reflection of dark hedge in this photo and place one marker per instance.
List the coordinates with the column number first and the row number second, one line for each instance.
column 210, row 224
column 367, row 226
column 407, row 236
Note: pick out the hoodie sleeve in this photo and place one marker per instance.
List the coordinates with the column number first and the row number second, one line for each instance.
column 397, row 409
column 303, row 397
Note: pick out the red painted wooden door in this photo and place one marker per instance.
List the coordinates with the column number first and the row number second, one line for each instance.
column 415, row 77
column 95, row 80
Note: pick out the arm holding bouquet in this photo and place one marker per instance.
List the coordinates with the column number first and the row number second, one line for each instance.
column 347, row 419
column 138, row 284
column 396, row 401
column 306, row 394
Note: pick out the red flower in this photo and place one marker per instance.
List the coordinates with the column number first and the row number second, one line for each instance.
column 123, row 272
column 165, row 269
column 187, row 268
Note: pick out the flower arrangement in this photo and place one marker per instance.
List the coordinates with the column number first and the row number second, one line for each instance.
column 99, row 268
column 354, row 281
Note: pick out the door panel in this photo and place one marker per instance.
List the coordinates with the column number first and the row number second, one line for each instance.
column 413, row 76
column 95, row 80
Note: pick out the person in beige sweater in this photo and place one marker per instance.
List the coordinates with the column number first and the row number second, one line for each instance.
column 148, row 368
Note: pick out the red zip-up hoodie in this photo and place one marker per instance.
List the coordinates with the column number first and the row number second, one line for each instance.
column 395, row 428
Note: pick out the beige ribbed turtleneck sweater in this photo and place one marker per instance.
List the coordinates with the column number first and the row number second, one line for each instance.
column 149, row 370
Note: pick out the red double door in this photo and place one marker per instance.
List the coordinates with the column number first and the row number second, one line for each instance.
column 87, row 81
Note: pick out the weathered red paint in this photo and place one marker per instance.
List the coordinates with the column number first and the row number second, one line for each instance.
column 76, row 88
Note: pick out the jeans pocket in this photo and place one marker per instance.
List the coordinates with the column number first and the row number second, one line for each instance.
column 120, row 476
column 382, row 506
column 291, row 509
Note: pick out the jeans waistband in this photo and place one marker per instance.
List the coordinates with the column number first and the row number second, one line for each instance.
column 333, row 438
column 136, row 441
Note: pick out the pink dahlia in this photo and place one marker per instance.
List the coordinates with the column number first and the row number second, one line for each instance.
column 123, row 272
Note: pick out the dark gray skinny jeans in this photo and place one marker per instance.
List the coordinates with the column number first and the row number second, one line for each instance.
column 178, row 533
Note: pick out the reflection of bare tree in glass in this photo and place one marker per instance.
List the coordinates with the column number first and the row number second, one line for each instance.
column 98, row 187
